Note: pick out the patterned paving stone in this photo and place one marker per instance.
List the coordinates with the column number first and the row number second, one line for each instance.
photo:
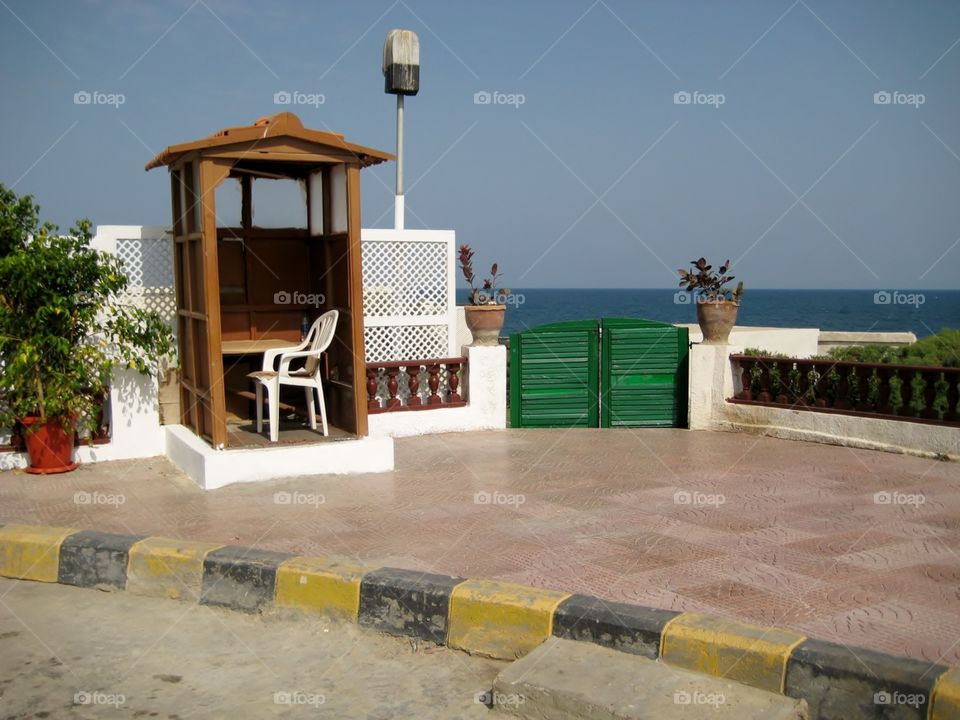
column 800, row 539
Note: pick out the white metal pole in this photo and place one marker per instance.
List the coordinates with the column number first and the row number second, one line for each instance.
column 398, row 210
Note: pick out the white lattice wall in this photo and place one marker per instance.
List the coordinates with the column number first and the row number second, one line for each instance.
column 409, row 303
column 409, row 297
column 147, row 256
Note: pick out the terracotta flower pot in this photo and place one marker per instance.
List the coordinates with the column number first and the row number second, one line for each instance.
column 716, row 319
column 485, row 322
column 50, row 446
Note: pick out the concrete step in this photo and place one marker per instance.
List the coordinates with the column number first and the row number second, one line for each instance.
column 566, row 679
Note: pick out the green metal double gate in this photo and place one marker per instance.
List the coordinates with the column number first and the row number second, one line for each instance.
column 599, row 373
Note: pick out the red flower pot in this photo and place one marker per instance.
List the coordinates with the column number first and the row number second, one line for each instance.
column 50, row 446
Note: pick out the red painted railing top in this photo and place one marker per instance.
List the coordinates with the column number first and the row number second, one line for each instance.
column 914, row 393
column 846, row 363
column 414, row 363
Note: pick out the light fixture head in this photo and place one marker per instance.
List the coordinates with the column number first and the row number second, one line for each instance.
column 401, row 62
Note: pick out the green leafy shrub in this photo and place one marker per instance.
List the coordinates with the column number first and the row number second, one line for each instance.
column 940, row 350
column 62, row 327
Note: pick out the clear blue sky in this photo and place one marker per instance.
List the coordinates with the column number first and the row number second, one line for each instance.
column 599, row 179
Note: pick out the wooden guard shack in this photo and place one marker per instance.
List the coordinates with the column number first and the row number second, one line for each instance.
column 242, row 287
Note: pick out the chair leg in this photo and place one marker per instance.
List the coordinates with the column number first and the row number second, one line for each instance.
column 311, row 410
column 323, row 410
column 273, row 398
column 259, row 405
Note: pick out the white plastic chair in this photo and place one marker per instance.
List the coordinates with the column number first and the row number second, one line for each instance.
column 272, row 377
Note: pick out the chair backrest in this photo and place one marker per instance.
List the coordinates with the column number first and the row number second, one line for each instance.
column 319, row 339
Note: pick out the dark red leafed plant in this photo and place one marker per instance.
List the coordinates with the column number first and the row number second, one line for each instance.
column 488, row 293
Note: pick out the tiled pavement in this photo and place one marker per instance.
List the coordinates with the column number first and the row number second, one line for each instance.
column 768, row 531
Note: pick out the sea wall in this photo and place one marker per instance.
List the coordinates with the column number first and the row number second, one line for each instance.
column 712, row 382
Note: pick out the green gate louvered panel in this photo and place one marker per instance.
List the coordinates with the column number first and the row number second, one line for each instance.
column 644, row 376
column 554, row 375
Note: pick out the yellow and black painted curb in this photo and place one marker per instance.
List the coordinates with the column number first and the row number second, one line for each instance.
column 485, row 617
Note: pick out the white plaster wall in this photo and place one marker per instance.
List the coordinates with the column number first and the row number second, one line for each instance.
column 712, row 382
column 833, row 339
column 484, row 388
column 212, row 469
column 107, row 235
column 463, row 335
column 847, row 430
column 135, row 429
column 795, row 342
column 135, row 424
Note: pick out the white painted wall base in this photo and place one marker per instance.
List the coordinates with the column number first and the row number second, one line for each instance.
column 484, row 388
column 845, row 430
column 795, row 342
column 832, row 339
column 712, row 382
column 212, row 469
column 135, row 424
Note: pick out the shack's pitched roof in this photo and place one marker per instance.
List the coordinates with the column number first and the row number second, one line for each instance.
column 280, row 125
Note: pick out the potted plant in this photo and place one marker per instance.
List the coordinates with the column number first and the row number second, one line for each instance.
column 717, row 304
column 62, row 331
column 485, row 313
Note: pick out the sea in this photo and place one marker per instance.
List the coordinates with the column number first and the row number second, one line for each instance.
column 923, row 312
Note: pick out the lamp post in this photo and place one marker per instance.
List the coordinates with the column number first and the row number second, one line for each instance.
column 401, row 73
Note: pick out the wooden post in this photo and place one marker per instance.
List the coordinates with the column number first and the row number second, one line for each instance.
column 212, row 173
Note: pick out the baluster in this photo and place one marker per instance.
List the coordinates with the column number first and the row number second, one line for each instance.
column 863, row 394
column 783, row 377
column 907, row 409
column 745, row 379
column 373, row 402
column 883, row 403
column 952, row 413
column 819, row 390
column 764, row 382
column 453, row 381
column 803, row 383
column 843, row 389
column 929, row 395
column 392, row 386
column 434, row 384
column 413, row 382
